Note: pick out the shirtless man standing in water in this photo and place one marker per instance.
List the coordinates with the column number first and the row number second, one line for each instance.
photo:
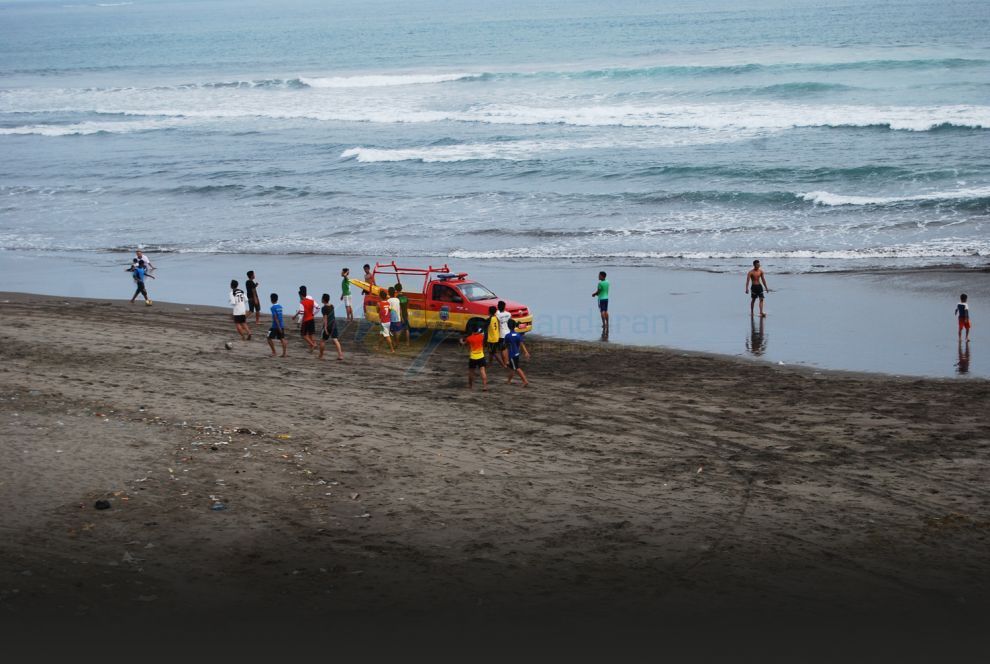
column 758, row 280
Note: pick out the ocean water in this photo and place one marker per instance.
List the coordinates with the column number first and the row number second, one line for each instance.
column 820, row 135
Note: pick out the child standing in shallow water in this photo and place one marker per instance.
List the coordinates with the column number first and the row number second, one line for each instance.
column 962, row 313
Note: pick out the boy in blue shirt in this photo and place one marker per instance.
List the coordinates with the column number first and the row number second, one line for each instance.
column 139, row 273
column 515, row 345
column 277, row 330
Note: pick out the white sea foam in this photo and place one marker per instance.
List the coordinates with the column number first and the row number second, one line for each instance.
column 86, row 128
column 936, row 249
column 383, row 80
column 831, row 200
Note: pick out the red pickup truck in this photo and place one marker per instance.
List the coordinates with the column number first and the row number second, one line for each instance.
column 439, row 299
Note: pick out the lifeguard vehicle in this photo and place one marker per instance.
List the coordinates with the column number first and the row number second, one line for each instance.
column 439, row 299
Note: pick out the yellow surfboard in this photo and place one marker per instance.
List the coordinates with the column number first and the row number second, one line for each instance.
column 366, row 287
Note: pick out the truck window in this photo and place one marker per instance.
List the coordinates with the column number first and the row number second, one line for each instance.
column 443, row 293
column 474, row 292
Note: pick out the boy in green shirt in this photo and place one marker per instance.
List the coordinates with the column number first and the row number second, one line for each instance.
column 404, row 310
column 602, row 294
column 345, row 292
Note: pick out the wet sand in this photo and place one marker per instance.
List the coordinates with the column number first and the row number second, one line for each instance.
column 627, row 483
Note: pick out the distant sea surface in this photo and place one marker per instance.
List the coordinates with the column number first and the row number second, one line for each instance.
column 821, row 134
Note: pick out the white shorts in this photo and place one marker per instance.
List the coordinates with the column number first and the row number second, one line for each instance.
column 347, row 300
column 385, row 332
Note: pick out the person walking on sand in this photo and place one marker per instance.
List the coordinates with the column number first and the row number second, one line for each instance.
column 239, row 302
column 385, row 320
column 962, row 313
column 329, row 328
column 345, row 293
column 475, row 341
column 277, row 331
column 254, row 302
column 139, row 273
column 403, row 311
column 756, row 280
column 493, row 338
column 503, row 318
column 516, row 347
column 602, row 294
column 395, row 323
column 307, row 310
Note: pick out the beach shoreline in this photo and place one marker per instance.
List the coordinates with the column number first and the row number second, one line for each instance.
column 626, row 480
column 893, row 322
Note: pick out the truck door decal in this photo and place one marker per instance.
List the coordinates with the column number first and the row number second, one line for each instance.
column 445, row 313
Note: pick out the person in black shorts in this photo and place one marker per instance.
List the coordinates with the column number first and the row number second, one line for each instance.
column 756, row 283
column 329, row 328
column 254, row 303
column 277, row 331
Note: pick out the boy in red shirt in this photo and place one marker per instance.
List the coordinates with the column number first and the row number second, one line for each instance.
column 476, row 357
column 307, row 309
column 384, row 318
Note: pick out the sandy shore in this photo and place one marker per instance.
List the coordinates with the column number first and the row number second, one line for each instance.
column 625, row 480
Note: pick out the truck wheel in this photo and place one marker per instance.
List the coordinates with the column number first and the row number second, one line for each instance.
column 475, row 324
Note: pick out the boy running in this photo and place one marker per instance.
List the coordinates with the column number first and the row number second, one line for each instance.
column 476, row 357
column 384, row 318
column 307, row 309
column 277, row 330
column 962, row 313
column 602, row 294
column 239, row 302
column 758, row 279
column 254, row 302
column 139, row 273
column 329, row 328
column 345, row 292
column 403, row 310
column 516, row 347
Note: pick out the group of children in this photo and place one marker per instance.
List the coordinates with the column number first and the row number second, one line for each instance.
column 504, row 344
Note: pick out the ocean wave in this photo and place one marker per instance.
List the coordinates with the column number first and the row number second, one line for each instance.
column 977, row 196
column 383, row 80
column 952, row 249
column 88, row 128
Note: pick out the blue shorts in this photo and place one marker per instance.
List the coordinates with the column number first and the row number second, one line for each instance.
column 395, row 327
column 603, row 305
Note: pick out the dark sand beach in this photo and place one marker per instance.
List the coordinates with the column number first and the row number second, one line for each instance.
column 627, row 483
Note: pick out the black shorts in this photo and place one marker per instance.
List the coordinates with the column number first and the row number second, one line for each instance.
column 253, row 305
column 479, row 363
column 330, row 332
column 603, row 305
column 308, row 328
column 240, row 319
column 276, row 333
column 756, row 291
column 514, row 362
column 496, row 346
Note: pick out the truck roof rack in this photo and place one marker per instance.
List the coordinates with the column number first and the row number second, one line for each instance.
column 441, row 273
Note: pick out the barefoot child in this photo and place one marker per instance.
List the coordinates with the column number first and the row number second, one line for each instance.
column 602, row 294
column 396, row 323
column 254, row 302
column 493, row 336
column 758, row 279
column 476, row 357
column 962, row 313
column 277, row 330
column 307, row 310
column 385, row 320
column 403, row 311
column 516, row 347
column 345, row 293
column 239, row 303
column 503, row 317
column 139, row 273
column 329, row 328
